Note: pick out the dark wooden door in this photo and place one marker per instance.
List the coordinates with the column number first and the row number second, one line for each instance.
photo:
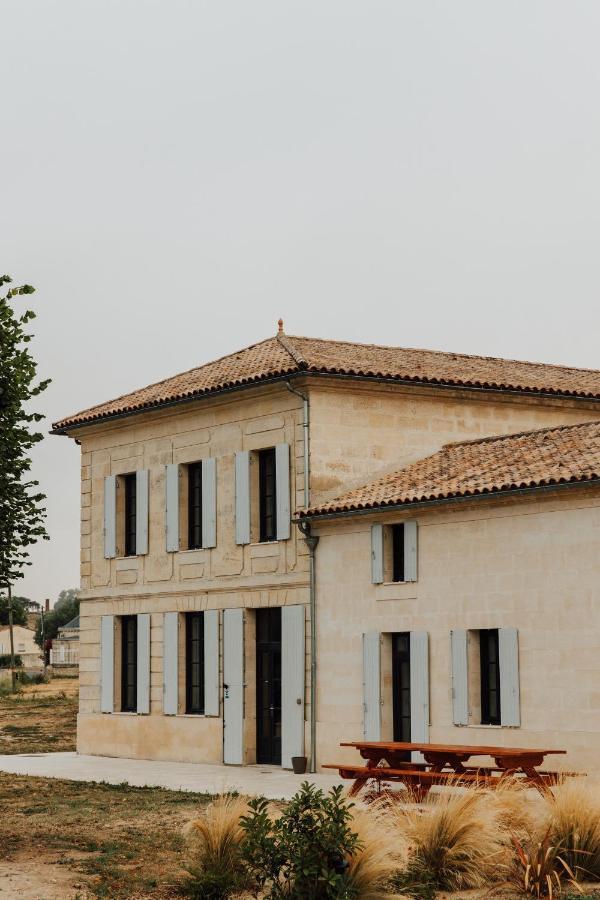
column 401, row 685
column 268, row 686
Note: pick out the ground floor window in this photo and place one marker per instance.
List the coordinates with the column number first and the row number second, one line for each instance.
column 401, row 685
column 129, row 663
column 489, row 660
column 194, row 663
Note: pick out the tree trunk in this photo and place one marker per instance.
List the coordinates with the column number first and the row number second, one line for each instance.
column 12, row 639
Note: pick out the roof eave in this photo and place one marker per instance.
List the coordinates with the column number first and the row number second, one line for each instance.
column 439, row 501
column 323, row 373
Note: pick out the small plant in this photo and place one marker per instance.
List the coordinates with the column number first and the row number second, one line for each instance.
column 453, row 841
column 574, row 825
column 540, row 870
column 376, row 859
column 5, row 661
column 304, row 854
column 217, row 870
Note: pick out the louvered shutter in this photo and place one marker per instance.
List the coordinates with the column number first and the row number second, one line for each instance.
column 372, row 686
column 410, row 551
column 171, row 664
column 242, row 497
column 419, row 686
column 292, row 684
column 377, row 554
column 233, row 686
column 282, row 492
column 460, row 686
column 211, row 662
column 143, row 663
column 209, row 502
column 172, row 507
column 110, row 516
column 141, row 512
column 107, row 664
column 508, row 647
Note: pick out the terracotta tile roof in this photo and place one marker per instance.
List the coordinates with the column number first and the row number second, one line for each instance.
column 285, row 355
column 550, row 456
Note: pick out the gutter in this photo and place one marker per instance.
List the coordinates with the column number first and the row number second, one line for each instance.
column 305, row 373
column 424, row 504
column 311, row 542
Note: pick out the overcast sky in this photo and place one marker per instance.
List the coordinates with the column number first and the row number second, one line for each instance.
column 176, row 175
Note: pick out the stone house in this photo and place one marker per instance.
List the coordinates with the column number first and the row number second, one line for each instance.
column 65, row 646
column 282, row 549
column 25, row 646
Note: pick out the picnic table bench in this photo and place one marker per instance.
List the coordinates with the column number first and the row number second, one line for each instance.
column 444, row 764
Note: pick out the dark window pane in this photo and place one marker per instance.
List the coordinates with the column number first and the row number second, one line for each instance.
column 397, row 552
column 267, row 491
column 194, row 506
column 268, row 685
column 129, row 663
column 401, row 686
column 490, row 676
column 194, row 663
column 130, row 514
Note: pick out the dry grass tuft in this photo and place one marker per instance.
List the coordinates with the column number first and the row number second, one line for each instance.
column 371, row 868
column 454, row 841
column 217, row 835
column 574, row 824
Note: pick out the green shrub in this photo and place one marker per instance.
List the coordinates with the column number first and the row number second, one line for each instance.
column 304, row 853
column 5, row 661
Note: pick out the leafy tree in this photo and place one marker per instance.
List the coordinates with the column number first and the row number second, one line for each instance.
column 65, row 609
column 20, row 607
column 22, row 512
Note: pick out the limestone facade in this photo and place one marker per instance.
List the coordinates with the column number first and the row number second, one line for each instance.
column 484, row 567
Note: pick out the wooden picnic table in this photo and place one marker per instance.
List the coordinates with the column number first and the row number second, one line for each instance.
column 444, row 763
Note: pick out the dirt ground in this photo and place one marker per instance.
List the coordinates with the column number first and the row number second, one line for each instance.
column 41, row 718
column 91, row 840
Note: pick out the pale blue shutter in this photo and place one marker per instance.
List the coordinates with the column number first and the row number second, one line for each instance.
column 209, row 502
column 233, row 686
column 242, row 497
column 172, row 507
column 377, row 554
column 110, row 516
column 292, row 684
column 282, row 492
column 419, row 686
column 460, row 685
column 107, row 664
column 141, row 512
column 143, row 663
column 410, row 551
column 211, row 662
column 171, row 664
column 508, row 648
column 372, row 686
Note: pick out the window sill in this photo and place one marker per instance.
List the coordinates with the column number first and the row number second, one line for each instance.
column 395, row 583
column 474, row 725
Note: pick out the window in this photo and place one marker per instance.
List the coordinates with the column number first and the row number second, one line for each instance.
column 489, row 657
column 130, row 485
column 194, row 506
column 267, row 495
column 129, row 663
column 397, row 552
column 194, row 663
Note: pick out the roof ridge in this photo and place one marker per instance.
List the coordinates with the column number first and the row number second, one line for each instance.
column 517, row 434
column 284, row 340
column 525, row 362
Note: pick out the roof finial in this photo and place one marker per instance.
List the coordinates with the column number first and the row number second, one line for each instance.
column 280, row 324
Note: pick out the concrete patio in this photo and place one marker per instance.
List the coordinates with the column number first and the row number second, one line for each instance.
column 269, row 781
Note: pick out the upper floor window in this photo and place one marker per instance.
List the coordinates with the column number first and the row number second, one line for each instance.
column 130, row 514
column 394, row 552
column 194, row 505
column 194, row 663
column 267, row 495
